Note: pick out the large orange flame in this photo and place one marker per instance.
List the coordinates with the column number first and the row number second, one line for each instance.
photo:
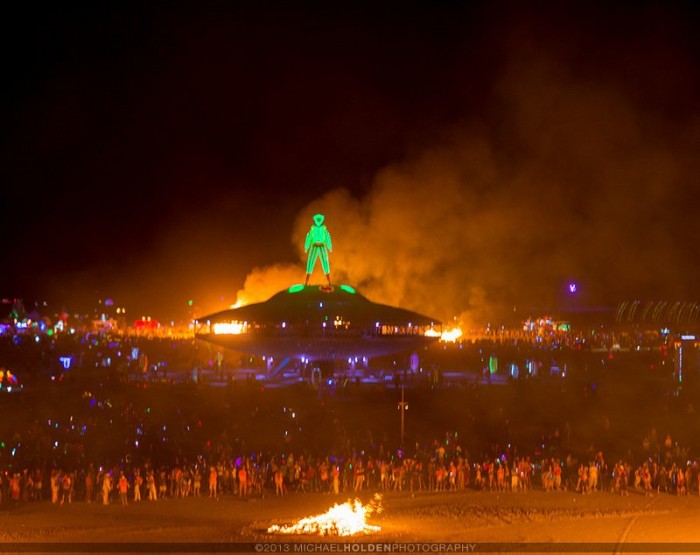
column 347, row 519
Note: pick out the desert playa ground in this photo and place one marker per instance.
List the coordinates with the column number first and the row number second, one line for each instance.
column 479, row 521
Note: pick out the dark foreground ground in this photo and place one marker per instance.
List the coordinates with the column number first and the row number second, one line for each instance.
column 483, row 521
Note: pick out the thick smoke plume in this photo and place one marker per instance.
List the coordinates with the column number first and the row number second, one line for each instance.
column 471, row 162
column 572, row 181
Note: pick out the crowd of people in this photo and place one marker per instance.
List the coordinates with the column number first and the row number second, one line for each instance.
column 437, row 469
column 171, row 441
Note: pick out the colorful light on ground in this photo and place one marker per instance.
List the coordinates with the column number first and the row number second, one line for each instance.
column 296, row 288
column 347, row 289
column 348, row 519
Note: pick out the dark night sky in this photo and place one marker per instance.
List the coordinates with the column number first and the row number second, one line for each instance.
column 468, row 156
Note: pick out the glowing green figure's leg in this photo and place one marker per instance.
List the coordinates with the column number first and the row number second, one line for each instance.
column 311, row 260
column 324, row 261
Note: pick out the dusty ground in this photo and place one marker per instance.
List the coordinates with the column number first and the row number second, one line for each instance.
column 600, row 522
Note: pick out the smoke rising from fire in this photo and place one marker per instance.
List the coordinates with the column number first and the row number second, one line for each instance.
column 472, row 160
column 566, row 178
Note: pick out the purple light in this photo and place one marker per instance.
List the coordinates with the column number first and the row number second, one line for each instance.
column 572, row 287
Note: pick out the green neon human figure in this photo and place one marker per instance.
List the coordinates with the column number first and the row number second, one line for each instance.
column 318, row 245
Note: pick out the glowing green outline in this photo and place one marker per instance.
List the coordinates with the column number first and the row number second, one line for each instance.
column 317, row 246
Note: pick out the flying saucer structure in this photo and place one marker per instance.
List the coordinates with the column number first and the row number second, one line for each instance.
column 319, row 323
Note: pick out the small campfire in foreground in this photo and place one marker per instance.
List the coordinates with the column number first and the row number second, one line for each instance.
column 347, row 519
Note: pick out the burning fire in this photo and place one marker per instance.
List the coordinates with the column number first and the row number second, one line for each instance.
column 450, row 336
column 230, row 328
column 347, row 519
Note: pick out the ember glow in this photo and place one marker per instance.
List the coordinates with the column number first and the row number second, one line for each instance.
column 348, row 519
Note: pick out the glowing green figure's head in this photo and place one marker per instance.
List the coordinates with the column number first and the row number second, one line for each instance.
column 318, row 219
